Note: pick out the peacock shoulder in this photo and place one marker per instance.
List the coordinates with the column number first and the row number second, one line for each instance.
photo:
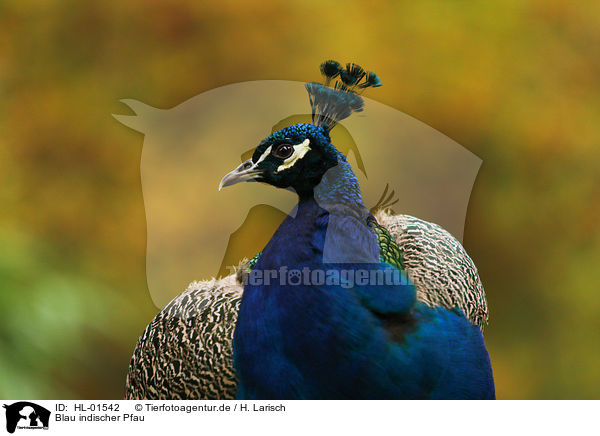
column 438, row 265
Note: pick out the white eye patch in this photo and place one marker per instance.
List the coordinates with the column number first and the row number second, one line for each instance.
column 299, row 151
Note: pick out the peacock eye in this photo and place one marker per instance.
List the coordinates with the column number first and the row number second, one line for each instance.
column 283, row 151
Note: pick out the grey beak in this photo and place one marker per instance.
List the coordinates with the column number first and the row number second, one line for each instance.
column 244, row 173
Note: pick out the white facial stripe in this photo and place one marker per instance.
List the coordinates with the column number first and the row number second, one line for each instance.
column 299, row 151
column 264, row 155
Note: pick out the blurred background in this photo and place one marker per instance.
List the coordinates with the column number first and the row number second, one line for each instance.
column 515, row 82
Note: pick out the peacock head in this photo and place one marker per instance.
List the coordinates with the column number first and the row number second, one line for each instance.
column 294, row 157
column 299, row 155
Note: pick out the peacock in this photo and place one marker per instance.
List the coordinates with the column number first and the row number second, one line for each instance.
column 417, row 336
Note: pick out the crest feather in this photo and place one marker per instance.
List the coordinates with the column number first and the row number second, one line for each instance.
column 339, row 96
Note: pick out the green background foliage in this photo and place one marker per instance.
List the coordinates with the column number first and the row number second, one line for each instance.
column 515, row 82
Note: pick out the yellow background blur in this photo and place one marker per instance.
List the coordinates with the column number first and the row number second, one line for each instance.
column 515, row 82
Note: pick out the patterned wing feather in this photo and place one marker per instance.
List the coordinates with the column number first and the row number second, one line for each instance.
column 439, row 266
column 186, row 351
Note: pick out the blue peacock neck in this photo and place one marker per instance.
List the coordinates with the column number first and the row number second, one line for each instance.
column 347, row 237
column 339, row 186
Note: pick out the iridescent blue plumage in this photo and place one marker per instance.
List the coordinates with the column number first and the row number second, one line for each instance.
column 325, row 340
column 313, row 329
column 319, row 341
